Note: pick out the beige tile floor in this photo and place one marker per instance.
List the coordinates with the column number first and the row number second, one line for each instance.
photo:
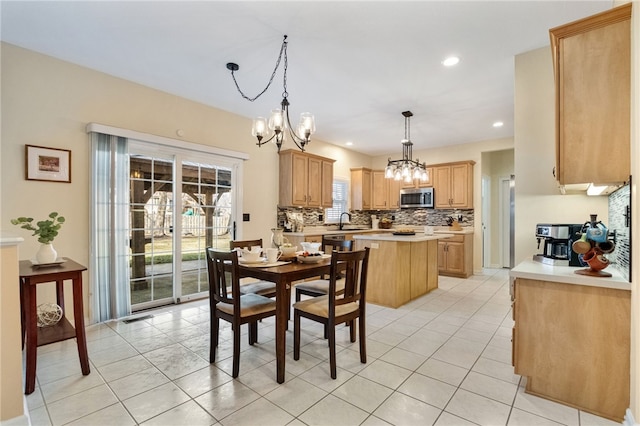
column 444, row 359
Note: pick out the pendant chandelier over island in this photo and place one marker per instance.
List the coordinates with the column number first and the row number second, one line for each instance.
column 406, row 168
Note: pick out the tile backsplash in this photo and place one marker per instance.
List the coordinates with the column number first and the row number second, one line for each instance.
column 619, row 218
column 433, row 217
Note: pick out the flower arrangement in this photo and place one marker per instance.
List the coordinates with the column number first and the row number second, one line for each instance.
column 46, row 230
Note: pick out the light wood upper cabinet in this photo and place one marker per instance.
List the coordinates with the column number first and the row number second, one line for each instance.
column 380, row 188
column 417, row 183
column 592, row 68
column 394, row 193
column 306, row 180
column 385, row 192
column 453, row 185
column 361, row 188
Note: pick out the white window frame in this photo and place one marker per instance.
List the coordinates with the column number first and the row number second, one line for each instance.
column 341, row 205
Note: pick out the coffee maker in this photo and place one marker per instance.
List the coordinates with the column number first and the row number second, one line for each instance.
column 557, row 240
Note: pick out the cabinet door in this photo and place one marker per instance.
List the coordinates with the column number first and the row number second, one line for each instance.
column 327, row 184
column 300, row 179
column 455, row 258
column 427, row 183
column 592, row 64
column 380, row 194
column 314, row 183
column 460, row 186
column 442, row 186
column 394, row 193
column 361, row 189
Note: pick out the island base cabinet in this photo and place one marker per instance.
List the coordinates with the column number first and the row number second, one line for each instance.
column 572, row 342
column 400, row 271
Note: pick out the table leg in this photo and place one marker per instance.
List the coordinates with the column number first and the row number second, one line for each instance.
column 23, row 319
column 78, row 316
column 60, row 294
column 31, row 337
column 282, row 315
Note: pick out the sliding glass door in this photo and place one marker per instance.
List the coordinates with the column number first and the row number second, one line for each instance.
column 178, row 207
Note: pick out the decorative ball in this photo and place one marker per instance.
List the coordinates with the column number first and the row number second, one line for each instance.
column 49, row 314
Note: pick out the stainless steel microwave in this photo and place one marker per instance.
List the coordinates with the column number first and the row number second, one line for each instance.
column 416, row 197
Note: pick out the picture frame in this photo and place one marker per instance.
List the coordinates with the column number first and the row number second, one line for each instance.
column 47, row 164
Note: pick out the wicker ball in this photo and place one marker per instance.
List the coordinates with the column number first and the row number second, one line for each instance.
column 49, row 314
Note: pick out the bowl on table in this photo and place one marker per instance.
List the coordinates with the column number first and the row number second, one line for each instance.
column 289, row 251
column 310, row 247
column 251, row 255
column 310, row 257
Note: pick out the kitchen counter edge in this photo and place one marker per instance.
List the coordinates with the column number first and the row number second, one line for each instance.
column 409, row 238
column 532, row 270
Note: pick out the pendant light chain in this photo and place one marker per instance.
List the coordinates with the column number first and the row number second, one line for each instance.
column 279, row 122
column 283, row 51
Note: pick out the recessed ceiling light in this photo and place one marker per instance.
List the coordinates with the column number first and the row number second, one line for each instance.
column 349, row 143
column 498, row 124
column 451, row 61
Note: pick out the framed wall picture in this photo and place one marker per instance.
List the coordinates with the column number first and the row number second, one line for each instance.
column 48, row 164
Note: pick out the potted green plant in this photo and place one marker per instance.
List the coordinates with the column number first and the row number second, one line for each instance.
column 46, row 231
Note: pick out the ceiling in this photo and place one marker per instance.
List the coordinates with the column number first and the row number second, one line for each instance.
column 356, row 65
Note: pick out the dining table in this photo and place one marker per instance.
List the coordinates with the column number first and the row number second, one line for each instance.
column 284, row 274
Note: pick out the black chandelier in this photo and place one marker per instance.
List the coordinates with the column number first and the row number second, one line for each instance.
column 406, row 169
column 279, row 122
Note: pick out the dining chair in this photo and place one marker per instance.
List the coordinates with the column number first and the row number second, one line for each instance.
column 232, row 306
column 331, row 309
column 263, row 288
column 320, row 286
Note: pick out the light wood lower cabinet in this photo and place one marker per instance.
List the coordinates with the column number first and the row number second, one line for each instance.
column 572, row 342
column 399, row 271
column 455, row 256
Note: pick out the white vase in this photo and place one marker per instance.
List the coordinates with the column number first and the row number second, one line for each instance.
column 46, row 254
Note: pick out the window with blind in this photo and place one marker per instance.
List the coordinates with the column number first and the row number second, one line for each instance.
column 340, row 195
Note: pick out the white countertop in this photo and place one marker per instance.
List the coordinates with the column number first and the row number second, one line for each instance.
column 388, row 236
column 9, row 239
column 565, row 274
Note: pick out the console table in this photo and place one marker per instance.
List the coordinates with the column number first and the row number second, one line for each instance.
column 35, row 336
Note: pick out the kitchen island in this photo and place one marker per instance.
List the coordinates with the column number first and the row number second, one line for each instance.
column 571, row 337
column 401, row 267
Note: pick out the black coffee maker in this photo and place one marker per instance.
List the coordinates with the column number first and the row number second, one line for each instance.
column 557, row 240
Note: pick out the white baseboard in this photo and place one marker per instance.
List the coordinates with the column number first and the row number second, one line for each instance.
column 628, row 419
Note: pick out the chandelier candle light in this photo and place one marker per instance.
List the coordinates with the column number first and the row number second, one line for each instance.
column 279, row 122
column 406, row 169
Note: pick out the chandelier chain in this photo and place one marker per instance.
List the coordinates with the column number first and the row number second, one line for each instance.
column 283, row 52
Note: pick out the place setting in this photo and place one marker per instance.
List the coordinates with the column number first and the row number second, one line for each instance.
column 261, row 258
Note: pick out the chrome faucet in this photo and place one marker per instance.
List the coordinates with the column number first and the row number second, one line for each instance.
column 343, row 213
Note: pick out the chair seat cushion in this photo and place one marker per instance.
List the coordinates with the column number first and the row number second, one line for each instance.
column 258, row 287
column 320, row 286
column 250, row 304
column 320, row 306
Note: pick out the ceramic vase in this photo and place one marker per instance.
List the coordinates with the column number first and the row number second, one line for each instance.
column 46, row 254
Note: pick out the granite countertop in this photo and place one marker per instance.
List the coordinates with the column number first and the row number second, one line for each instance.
column 323, row 230
column 565, row 274
column 388, row 236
